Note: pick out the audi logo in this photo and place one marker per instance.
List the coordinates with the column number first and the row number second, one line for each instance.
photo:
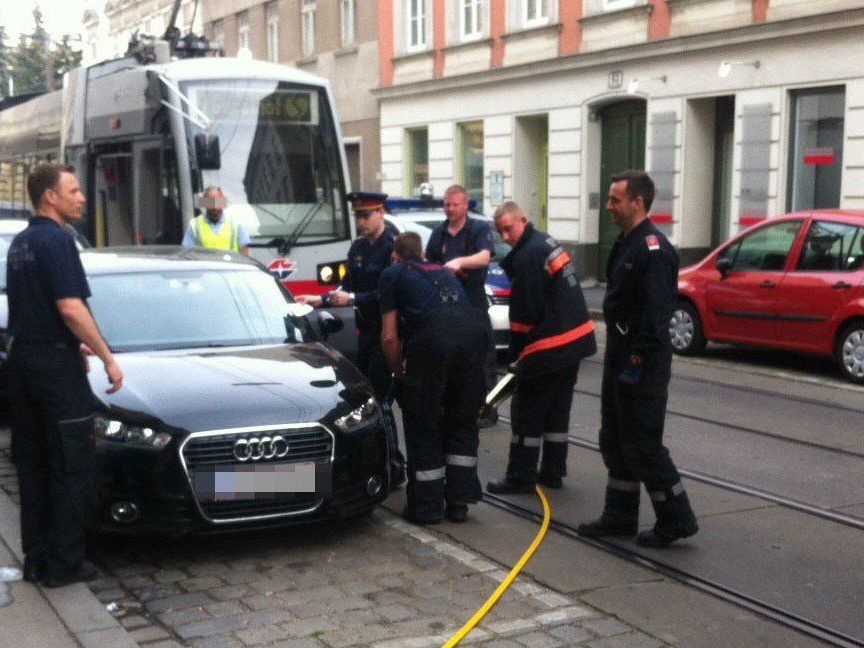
column 256, row 449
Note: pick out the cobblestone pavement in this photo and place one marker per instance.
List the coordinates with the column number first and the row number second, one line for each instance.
column 377, row 582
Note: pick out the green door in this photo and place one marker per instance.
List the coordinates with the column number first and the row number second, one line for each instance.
column 622, row 147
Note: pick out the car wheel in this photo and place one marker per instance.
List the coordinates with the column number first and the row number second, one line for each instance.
column 685, row 330
column 850, row 352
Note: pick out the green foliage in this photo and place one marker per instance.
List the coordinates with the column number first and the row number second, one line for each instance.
column 37, row 63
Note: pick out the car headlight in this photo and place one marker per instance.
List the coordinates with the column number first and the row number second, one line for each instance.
column 360, row 417
column 111, row 430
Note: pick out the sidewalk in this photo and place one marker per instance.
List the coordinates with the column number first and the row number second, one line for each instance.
column 45, row 618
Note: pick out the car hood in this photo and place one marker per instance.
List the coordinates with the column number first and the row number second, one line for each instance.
column 228, row 388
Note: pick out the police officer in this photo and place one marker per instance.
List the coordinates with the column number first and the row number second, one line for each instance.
column 464, row 246
column 642, row 276
column 550, row 332
column 51, row 406
column 214, row 229
column 368, row 256
column 441, row 378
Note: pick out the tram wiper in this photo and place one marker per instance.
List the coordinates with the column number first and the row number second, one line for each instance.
column 202, row 121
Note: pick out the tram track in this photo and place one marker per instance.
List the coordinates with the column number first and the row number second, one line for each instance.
column 787, row 618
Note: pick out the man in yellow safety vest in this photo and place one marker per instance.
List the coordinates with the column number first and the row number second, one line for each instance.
column 213, row 229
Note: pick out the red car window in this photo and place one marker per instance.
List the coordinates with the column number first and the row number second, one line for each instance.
column 830, row 247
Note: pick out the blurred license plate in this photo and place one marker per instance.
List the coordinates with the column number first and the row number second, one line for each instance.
column 257, row 481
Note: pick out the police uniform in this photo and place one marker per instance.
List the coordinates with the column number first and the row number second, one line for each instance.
column 366, row 261
column 442, row 247
column 51, row 405
column 550, row 333
column 444, row 345
column 642, row 275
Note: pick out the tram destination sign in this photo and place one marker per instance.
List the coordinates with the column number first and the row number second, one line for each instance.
column 292, row 107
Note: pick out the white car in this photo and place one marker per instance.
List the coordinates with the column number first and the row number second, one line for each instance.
column 415, row 215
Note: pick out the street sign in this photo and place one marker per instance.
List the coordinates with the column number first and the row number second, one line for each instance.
column 496, row 187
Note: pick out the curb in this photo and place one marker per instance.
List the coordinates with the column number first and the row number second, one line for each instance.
column 86, row 619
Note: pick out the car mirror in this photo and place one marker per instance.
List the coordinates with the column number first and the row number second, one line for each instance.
column 328, row 324
column 723, row 265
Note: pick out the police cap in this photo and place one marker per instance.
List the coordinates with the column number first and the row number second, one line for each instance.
column 366, row 201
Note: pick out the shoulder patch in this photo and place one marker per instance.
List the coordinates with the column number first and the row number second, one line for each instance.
column 652, row 242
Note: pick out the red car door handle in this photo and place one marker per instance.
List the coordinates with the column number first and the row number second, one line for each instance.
column 841, row 285
column 767, row 284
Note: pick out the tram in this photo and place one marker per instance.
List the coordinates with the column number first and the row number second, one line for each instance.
column 147, row 133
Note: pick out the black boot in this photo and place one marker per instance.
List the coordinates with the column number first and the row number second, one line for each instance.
column 620, row 515
column 509, row 486
column 549, row 481
column 675, row 520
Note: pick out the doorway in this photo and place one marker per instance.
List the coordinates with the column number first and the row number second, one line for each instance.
column 113, row 192
column 724, row 145
column 352, row 156
column 622, row 147
column 531, row 168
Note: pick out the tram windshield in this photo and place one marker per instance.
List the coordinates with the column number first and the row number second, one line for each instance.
column 281, row 168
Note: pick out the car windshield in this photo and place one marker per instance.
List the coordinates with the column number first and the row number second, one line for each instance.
column 189, row 309
column 280, row 159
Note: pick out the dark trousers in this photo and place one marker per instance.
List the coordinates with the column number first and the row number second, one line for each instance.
column 490, row 365
column 51, row 413
column 443, row 395
column 631, row 438
column 541, row 416
column 371, row 362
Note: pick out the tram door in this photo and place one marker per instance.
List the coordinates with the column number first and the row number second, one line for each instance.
column 150, row 214
column 622, row 147
column 114, row 221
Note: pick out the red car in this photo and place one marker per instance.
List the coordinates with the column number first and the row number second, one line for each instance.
column 794, row 282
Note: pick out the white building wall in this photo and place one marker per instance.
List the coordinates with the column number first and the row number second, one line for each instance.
column 853, row 151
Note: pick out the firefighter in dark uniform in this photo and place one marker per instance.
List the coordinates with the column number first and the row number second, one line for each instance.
column 368, row 256
column 550, row 333
column 51, row 406
column 464, row 245
column 642, row 276
column 441, row 381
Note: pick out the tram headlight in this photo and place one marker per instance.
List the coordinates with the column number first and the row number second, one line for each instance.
column 360, row 417
column 117, row 431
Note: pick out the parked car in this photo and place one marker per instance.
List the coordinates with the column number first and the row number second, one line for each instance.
column 233, row 413
column 422, row 215
column 9, row 228
column 795, row 282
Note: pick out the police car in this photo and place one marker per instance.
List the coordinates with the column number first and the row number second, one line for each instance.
column 424, row 214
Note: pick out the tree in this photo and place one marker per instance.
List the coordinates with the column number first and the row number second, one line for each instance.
column 5, row 62
column 65, row 58
column 29, row 58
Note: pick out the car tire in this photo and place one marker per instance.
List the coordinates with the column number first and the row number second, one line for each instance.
column 849, row 352
column 685, row 330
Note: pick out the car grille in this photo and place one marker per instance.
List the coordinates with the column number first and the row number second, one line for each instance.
column 215, row 451
column 304, row 444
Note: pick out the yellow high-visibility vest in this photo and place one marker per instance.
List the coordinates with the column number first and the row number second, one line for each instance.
column 226, row 239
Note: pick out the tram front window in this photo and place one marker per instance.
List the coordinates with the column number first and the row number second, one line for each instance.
column 280, row 158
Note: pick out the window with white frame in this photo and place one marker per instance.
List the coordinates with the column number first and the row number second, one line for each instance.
column 471, row 19
column 348, row 12
column 535, row 12
column 307, row 25
column 243, row 31
column 416, row 18
column 273, row 32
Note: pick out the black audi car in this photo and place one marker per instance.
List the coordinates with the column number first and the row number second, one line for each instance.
column 233, row 413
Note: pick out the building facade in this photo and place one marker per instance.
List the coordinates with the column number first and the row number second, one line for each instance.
column 740, row 109
column 107, row 31
column 335, row 39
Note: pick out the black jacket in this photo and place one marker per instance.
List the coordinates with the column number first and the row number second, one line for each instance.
column 549, row 324
column 641, row 290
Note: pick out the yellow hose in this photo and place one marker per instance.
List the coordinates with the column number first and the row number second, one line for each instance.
column 492, row 600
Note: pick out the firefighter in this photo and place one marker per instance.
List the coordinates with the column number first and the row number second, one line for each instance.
column 441, row 381
column 214, row 229
column 550, row 333
column 368, row 256
column 642, row 284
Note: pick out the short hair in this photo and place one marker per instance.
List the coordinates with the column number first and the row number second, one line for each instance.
column 509, row 207
column 639, row 184
column 43, row 177
column 455, row 188
column 408, row 245
column 211, row 189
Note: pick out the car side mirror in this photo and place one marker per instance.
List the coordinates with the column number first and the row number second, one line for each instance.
column 724, row 266
column 328, row 324
column 207, row 152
